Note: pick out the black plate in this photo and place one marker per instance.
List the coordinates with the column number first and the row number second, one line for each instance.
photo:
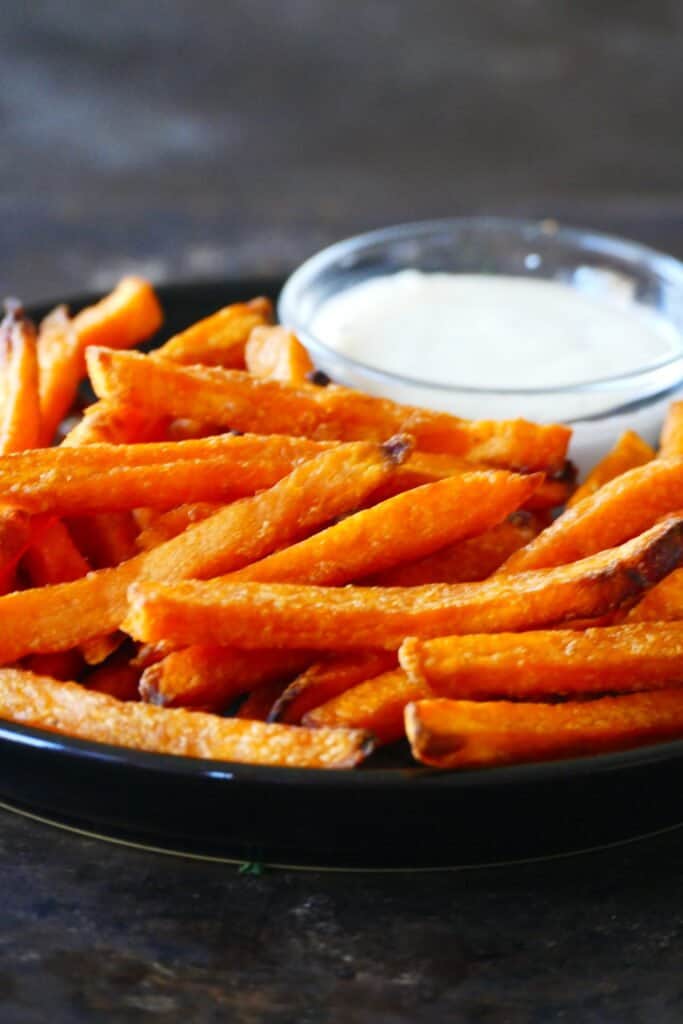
column 387, row 814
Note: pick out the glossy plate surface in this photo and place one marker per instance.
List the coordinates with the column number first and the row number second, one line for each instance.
column 390, row 813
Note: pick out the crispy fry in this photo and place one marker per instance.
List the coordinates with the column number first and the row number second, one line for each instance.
column 327, row 679
column 111, row 423
column 378, row 703
column 219, row 339
column 165, row 525
column 256, row 707
column 290, row 615
column 671, row 440
column 106, row 540
column 408, row 526
column 277, row 354
column 621, row 509
column 19, row 403
column 117, row 677
column 43, row 703
column 466, row 561
column 642, row 656
column 663, row 603
column 59, row 617
column 15, row 535
column 52, row 557
column 95, row 477
column 629, row 452
column 471, row 734
column 242, row 402
column 124, row 317
column 61, row 665
column 129, row 314
column 199, row 676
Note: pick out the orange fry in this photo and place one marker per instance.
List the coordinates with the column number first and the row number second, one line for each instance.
column 124, row 317
column 400, row 529
column 118, row 678
column 59, row 617
column 327, row 679
column 165, row 525
column 243, row 402
column 52, row 556
column 202, row 676
column 68, row 708
column 60, row 665
column 621, row 509
column 472, row 734
column 377, row 703
column 15, row 535
column 111, row 423
column 19, row 403
column 106, row 540
column 256, row 707
column 642, row 656
column 290, row 615
column 277, row 354
column 95, row 477
column 671, row 440
column 663, row 603
column 219, row 339
column 629, row 452
column 466, row 561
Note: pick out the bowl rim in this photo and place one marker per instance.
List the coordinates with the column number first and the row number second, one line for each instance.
column 663, row 264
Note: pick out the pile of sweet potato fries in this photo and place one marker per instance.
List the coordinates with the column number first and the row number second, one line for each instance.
column 226, row 556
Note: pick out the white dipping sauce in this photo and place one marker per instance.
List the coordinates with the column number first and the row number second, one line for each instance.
column 492, row 331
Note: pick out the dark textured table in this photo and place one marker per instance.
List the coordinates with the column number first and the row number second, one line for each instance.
column 199, row 140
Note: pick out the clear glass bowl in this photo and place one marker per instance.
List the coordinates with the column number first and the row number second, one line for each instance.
column 597, row 410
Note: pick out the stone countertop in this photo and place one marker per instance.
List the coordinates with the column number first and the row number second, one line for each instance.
column 235, row 138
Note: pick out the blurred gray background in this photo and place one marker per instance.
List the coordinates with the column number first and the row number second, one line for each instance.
column 209, row 138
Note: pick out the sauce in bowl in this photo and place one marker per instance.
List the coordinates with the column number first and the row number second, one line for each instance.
column 493, row 331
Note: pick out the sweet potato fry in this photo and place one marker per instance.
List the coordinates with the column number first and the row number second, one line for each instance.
column 117, row 677
column 106, row 540
column 663, row 603
column 19, row 403
column 379, row 703
column 52, row 557
column 124, row 317
column 203, row 676
column 629, row 452
column 69, row 480
column 15, row 535
column 466, row 561
column 472, row 734
column 327, row 679
column 408, row 526
column 257, row 705
column 243, row 402
column 59, row 617
column 253, row 462
column 43, row 703
column 290, row 615
column 112, row 423
column 621, row 509
column 276, row 354
column 219, row 339
column 671, row 440
column 619, row 659
column 162, row 527
column 63, row 665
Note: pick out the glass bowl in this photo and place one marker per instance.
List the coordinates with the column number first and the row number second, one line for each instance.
column 597, row 410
